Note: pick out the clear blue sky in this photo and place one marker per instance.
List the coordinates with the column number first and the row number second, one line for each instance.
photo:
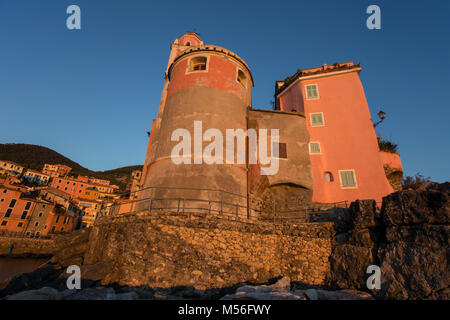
column 91, row 94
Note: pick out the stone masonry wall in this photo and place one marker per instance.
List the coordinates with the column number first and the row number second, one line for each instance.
column 26, row 247
column 166, row 250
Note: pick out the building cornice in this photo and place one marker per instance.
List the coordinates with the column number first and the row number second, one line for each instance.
column 210, row 49
column 318, row 75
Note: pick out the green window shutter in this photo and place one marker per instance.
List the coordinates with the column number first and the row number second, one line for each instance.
column 316, row 119
column 311, row 91
column 348, row 179
column 315, row 147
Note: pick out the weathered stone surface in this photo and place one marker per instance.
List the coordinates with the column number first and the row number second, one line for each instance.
column 277, row 291
column 98, row 293
column 413, row 272
column 348, row 266
column 411, row 246
column 344, row 295
column 311, row 294
column 265, row 292
column 44, row 293
column 166, row 250
column 408, row 207
column 363, row 214
column 46, row 276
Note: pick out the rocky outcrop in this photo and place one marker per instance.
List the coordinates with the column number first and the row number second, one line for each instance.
column 394, row 176
column 414, row 262
column 280, row 290
column 408, row 239
column 355, row 248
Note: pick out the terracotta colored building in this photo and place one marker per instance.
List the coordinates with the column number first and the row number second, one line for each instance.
column 56, row 170
column 99, row 181
column 328, row 151
column 19, row 212
column 76, row 187
column 90, row 209
column 36, row 177
column 11, row 167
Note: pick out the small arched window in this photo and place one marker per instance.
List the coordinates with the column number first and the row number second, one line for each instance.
column 188, row 43
column 241, row 78
column 198, row 63
column 328, row 177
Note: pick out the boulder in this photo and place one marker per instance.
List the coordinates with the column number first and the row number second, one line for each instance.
column 284, row 284
column 44, row 293
column 98, row 293
column 409, row 207
column 262, row 295
column 344, row 295
column 312, row 294
column 41, row 277
column 348, row 266
column 413, row 271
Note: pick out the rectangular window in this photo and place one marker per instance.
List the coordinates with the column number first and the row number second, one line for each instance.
column 198, row 63
column 312, row 92
column 4, row 223
column 348, row 179
column 19, row 225
column 57, row 219
column 12, row 203
column 24, row 215
column 27, row 206
column 316, row 119
column 8, row 213
column 314, row 147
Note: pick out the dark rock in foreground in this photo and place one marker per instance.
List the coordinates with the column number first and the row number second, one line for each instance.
column 408, row 239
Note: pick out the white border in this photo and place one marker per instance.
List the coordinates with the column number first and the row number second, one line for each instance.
column 309, row 147
column 306, row 91
column 317, row 125
column 354, row 176
column 208, row 58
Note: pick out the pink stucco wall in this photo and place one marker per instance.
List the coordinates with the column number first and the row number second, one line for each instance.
column 347, row 138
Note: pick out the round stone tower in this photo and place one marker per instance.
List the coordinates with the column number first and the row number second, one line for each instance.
column 208, row 87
